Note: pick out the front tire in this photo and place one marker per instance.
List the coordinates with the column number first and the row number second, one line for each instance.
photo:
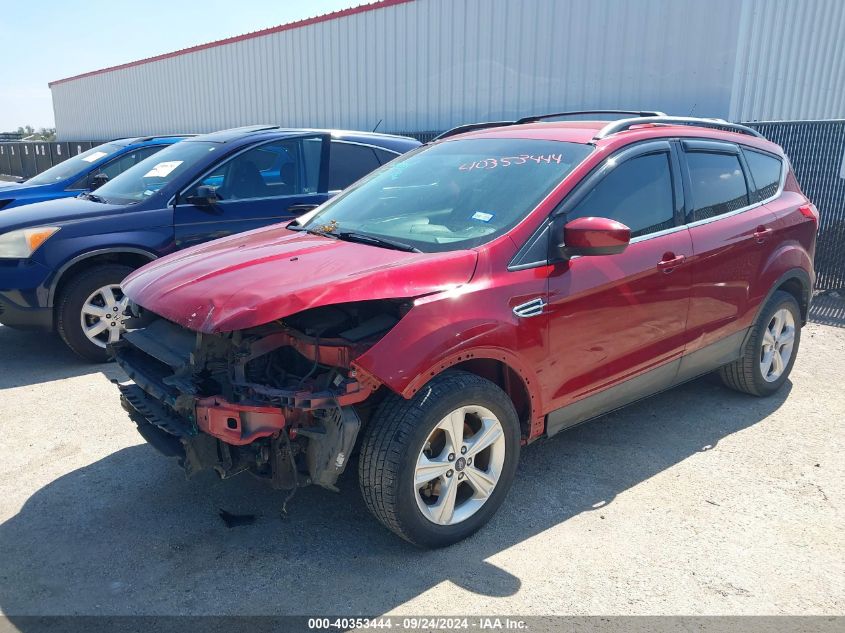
column 435, row 468
column 91, row 311
column 771, row 349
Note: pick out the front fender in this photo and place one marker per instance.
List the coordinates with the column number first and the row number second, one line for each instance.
column 444, row 330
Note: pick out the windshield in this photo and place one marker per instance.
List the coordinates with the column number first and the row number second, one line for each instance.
column 144, row 179
column 74, row 166
column 452, row 195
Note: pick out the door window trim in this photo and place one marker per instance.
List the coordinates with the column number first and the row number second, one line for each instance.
column 596, row 175
column 723, row 147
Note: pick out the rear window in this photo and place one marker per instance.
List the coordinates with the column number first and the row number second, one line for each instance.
column 766, row 172
column 718, row 184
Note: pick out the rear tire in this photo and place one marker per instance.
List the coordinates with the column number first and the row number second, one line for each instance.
column 81, row 293
column 770, row 351
column 410, row 470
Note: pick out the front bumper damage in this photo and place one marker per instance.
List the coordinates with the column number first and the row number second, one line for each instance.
column 196, row 397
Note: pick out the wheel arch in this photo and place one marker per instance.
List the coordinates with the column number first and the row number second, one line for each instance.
column 796, row 282
column 129, row 256
column 503, row 369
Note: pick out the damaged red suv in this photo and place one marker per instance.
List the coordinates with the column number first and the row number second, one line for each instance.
column 501, row 284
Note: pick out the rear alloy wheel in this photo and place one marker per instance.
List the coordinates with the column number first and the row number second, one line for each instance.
column 435, row 468
column 92, row 311
column 770, row 350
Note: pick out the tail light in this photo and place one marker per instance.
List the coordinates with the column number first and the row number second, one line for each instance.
column 810, row 211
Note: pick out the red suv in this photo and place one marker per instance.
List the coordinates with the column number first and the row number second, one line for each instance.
column 501, row 284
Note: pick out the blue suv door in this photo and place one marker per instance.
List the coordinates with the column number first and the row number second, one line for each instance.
column 264, row 184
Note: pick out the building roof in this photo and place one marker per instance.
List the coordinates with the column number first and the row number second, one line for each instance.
column 334, row 15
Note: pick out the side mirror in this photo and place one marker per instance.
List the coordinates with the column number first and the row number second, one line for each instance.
column 592, row 236
column 98, row 180
column 206, row 196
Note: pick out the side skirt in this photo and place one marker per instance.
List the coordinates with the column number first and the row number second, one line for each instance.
column 660, row 379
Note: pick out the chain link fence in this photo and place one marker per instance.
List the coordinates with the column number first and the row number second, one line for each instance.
column 817, row 152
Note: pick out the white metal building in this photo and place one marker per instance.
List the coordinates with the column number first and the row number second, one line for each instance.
column 424, row 65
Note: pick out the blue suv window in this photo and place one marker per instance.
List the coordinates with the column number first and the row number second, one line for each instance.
column 281, row 168
column 71, row 166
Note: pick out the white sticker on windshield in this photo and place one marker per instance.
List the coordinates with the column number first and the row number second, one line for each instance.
column 480, row 215
column 95, row 156
column 162, row 169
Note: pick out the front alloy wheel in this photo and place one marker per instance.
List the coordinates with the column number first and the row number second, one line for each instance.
column 436, row 467
column 91, row 311
column 459, row 465
column 103, row 315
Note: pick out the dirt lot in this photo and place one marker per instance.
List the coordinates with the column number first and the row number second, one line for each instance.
column 698, row 501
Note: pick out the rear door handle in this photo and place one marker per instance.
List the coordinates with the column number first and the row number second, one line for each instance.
column 761, row 234
column 670, row 262
column 302, row 208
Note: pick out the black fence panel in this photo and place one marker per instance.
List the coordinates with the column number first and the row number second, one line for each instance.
column 5, row 161
column 43, row 159
column 77, row 147
column 59, row 152
column 817, row 152
column 16, row 167
column 27, row 154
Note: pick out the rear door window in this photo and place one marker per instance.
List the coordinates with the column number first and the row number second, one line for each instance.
column 349, row 162
column 717, row 184
column 766, row 171
column 637, row 193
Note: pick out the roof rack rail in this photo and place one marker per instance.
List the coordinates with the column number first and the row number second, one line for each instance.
column 615, row 127
column 154, row 136
column 470, row 127
column 540, row 117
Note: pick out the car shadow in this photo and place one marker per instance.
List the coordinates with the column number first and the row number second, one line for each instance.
column 129, row 535
column 30, row 358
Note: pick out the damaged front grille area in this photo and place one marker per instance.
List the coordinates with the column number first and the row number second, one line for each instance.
column 276, row 401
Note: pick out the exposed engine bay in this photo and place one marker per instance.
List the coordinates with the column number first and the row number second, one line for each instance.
column 282, row 401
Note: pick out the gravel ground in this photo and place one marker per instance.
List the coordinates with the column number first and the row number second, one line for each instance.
column 697, row 501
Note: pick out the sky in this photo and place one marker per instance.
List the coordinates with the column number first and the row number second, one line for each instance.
column 45, row 40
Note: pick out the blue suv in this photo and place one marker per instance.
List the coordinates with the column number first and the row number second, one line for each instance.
column 83, row 172
column 62, row 261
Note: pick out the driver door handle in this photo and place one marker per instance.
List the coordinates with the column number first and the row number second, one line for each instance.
column 670, row 262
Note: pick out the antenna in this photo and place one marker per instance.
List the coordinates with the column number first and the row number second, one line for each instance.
column 377, row 124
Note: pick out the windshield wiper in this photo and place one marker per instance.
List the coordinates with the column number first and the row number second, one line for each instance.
column 376, row 241
column 94, row 197
column 296, row 227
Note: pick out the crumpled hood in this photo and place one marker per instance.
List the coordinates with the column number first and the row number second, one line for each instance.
column 253, row 278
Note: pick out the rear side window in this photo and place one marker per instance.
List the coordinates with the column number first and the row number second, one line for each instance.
column 348, row 163
column 766, row 172
column 718, row 184
column 637, row 193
